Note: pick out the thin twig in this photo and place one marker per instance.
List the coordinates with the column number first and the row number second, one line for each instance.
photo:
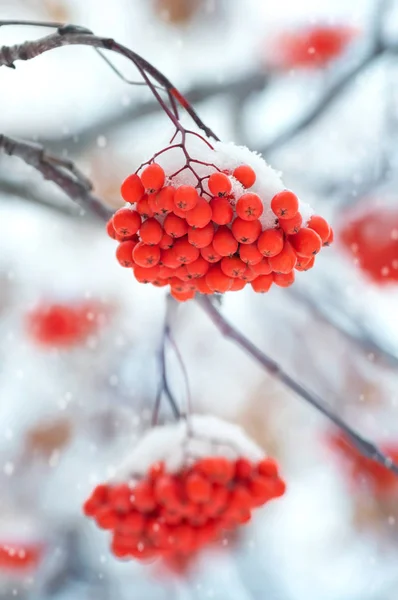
column 72, row 35
column 365, row 447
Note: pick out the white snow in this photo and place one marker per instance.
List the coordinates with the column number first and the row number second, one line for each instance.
column 182, row 443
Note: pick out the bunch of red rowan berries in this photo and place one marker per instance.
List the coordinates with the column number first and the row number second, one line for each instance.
column 166, row 514
column 176, row 236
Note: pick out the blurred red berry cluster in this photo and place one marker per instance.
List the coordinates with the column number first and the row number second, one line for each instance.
column 311, row 47
column 19, row 557
column 63, row 325
column 174, row 236
column 370, row 233
column 175, row 514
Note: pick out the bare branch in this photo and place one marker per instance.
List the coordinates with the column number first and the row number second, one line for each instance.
column 61, row 172
column 361, row 444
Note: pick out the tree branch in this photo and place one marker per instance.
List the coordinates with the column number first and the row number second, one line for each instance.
column 365, row 447
column 61, row 172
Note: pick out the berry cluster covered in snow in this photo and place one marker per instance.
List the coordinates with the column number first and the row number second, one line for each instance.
column 221, row 221
column 183, row 487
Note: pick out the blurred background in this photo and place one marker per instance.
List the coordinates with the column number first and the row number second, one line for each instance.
column 313, row 86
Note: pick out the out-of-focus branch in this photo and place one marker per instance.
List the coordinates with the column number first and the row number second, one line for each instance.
column 87, row 136
column 164, row 387
column 365, row 447
column 61, row 172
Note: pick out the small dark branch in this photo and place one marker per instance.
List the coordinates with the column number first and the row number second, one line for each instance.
column 70, row 35
column 61, row 172
column 361, row 444
column 164, row 387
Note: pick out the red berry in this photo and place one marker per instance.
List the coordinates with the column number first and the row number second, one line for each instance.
column 270, row 242
column 219, row 184
column 107, row 518
column 153, row 178
column 222, row 211
column 306, row 242
column 119, row 498
column 285, row 261
column 197, row 488
column 262, row 283
column 246, row 232
column 201, row 236
column 321, row 226
column 182, row 296
column 232, row 266
column 124, row 253
column 330, row 238
column 245, row 175
column 126, row 221
column 198, row 268
column 291, row 226
column 168, row 258
column 224, row 242
column 284, row 279
column 166, row 242
column 262, row 268
column 142, row 497
column 185, row 252
column 165, row 200
column 285, row 204
column 186, row 197
column 250, row 254
column 175, row 226
column 146, row 256
column 199, row 216
column 243, row 468
column 217, row 280
column 216, row 468
column 132, row 189
column 151, row 232
column 146, row 274
column 209, row 253
column 267, row 467
column 202, row 286
column 249, row 207
column 143, row 207
column 237, row 285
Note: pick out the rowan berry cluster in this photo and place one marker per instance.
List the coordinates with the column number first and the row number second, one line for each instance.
column 19, row 557
column 215, row 237
column 370, row 233
column 167, row 514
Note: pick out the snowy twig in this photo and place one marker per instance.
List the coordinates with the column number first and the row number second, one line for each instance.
column 61, row 172
column 365, row 447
